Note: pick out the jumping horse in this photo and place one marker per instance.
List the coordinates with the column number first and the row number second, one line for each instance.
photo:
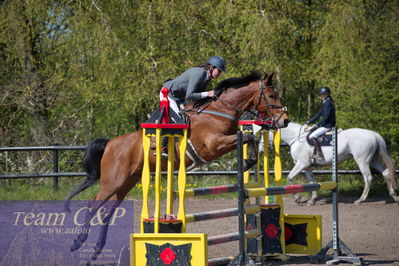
column 117, row 163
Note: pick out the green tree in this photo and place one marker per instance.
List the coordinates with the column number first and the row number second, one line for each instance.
column 358, row 60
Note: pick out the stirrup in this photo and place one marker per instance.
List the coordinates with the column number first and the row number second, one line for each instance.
column 164, row 152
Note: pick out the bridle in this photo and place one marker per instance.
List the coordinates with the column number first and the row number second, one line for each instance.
column 269, row 106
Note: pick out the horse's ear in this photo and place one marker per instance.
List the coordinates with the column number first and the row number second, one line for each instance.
column 269, row 80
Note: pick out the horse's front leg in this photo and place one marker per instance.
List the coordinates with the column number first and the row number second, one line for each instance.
column 299, row 166
column 253, row 147
column 312, row 200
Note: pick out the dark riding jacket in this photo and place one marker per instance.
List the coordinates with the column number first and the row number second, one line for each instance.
column 189, row 85
column 327, row 112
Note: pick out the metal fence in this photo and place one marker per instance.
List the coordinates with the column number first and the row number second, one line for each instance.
column 56, row 174
column 55, row 159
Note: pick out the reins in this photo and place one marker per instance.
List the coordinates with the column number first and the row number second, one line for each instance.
column 229, row 104
column 262, row 96
column 299, row 134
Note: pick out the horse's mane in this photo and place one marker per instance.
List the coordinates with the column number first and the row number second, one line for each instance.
column 235, row 82
column 231, row 83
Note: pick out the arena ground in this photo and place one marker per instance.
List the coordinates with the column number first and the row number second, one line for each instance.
column 371, row 230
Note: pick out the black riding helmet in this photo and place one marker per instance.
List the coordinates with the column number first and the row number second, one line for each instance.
column 324, row 91
column 217, row 61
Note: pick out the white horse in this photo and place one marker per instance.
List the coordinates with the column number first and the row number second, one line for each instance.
column 366, row 147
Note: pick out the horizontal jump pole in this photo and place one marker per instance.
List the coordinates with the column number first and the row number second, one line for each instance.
column 211, row 215
column 218, row 214
column 194, row 192
column 220, row 261
column 219, row 239
column 192, row 173
column 285, row 172
column 290, row 189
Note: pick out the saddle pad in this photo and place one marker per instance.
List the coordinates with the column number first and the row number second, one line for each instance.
column 325, row 141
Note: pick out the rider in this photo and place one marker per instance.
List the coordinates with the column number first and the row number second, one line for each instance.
column 191, row 85
column 327, row 112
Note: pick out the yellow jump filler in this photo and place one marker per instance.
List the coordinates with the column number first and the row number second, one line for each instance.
column 281, row 233
column 161, row 241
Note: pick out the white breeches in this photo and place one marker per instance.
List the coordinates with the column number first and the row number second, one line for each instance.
column 318, row 132
column 172, row 103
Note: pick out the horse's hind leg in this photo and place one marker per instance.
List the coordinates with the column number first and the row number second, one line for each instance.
column 377, row 165
column 368, row 178
column 109, row 209
column 111, row 206
column 93, row 207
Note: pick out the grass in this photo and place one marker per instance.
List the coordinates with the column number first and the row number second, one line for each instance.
column 42, row 189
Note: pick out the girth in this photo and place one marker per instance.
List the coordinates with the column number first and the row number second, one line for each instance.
column 192, row 153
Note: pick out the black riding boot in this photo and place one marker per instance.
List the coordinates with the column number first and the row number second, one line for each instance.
column 164, row 149
column 317, row 152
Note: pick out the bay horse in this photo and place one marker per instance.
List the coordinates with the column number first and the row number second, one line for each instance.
column 366, row 147
column 117, row 163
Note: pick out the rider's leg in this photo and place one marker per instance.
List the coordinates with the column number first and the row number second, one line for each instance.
column 172, row 105
column 317, row 147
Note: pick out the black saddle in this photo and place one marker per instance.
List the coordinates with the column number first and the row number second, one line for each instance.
column 175, row 118
column 324, row 140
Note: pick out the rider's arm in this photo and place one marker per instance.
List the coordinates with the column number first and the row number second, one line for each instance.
column 196, row 85
column 315, row 117
column 325, row 112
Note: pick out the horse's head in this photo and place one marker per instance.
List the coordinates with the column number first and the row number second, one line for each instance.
column 252, row 92
column 268, row 102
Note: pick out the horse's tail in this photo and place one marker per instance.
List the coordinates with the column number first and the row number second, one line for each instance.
column 91, row 163
column 388, row 161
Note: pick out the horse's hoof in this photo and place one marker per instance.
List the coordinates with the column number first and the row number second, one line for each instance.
column 310, row 203
column 297, row 199
column 248, row 163
column 97, row 252
column 395, row 198
column 75, row 245
column 94, row 256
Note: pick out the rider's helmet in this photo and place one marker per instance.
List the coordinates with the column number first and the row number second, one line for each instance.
column 325, row 91
column 217, row 61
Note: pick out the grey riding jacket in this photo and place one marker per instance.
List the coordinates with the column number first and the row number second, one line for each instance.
column 189, row 85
